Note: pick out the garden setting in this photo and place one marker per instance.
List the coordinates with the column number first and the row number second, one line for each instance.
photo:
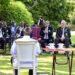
column 44, row 64
column 39, row 16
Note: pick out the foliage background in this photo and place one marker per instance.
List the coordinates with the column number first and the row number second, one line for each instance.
column 30, row 10
column 15, row 11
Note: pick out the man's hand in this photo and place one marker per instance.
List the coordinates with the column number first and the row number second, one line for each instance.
column 39, row 39
column 61, row 39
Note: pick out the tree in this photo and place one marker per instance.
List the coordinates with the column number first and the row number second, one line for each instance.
column 3, row 2
column 54, row 10
column 15, row 11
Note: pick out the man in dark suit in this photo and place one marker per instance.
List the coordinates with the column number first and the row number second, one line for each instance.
column 63, row 35
column 46, row 34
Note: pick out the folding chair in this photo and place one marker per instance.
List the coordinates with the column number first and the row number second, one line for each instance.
column 26, row 55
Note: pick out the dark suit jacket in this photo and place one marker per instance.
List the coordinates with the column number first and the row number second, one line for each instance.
column 50, row 32
column 59, row 32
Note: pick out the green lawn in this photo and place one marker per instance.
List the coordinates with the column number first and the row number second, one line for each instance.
column 73, row 39
column 44, row 64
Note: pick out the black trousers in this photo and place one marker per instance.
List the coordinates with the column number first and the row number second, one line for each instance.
column 45, row 42
column 66, row 42
column 30, row 72
column 1, row 43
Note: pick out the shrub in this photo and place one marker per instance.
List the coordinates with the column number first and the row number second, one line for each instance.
column 73, row 21
column 16, row 11
column 54, row 25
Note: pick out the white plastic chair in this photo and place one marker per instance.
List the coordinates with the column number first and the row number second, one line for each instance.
column 26, row 55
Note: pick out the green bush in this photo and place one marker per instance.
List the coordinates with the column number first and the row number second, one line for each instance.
column 73, row 21
column 54, row 25
column 0, row 8
column 3, row 2
column 16, row 11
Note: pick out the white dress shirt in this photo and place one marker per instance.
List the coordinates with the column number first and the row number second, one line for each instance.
column 46, row 33
column 1, row 33
column 63, row 34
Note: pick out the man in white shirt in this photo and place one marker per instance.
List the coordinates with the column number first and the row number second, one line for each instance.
column 13, row 49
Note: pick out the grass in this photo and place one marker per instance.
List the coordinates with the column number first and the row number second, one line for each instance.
column 73, row 39
column 44, row 64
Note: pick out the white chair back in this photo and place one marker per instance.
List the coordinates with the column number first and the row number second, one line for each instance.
column 26, row 55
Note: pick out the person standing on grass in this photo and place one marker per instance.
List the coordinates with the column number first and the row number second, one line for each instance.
column 13, row 31
column 26, row 36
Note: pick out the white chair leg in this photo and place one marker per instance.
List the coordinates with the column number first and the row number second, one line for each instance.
column 18, row 71
column 34, row 71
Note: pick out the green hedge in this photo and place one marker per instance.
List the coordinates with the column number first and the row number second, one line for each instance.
column 54, row 25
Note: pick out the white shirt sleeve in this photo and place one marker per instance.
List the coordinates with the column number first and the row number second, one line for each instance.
column 13, row 48
column 37, row 49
